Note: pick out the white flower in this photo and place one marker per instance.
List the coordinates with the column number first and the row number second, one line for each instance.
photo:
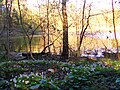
column 23, row 81
column 15, row 85
column 32, row 73
column 26, row 82
column 25, row 75
column 36, row 74
column 51, row 70
column 75, row 70
column 67, row 69
column 42, row 75
column 10, row 79
column 73, row 65
column 92, row 69
column 14, row 80
column 62, row 68
column 19, row 81
column 21, row 75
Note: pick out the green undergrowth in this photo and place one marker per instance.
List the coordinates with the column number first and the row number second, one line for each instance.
column 54, row 75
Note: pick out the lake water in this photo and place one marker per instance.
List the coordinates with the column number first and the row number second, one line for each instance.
column 99, row 40
column 109, row 35
column 21, row 44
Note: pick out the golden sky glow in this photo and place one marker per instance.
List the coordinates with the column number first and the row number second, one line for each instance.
column 97, row 4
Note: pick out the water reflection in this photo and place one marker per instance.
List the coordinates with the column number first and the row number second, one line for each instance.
column 98, row 40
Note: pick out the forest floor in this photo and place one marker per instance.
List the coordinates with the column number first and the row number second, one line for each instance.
column 57, row 75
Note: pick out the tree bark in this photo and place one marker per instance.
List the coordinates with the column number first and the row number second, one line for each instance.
column 84, row 27
column 7, row 26
column 48, row 26
column 25, row 32
column 65, row 31
column 114, row 26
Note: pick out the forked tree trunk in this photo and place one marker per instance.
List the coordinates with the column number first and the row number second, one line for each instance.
column 30, row 38
column 84, row 24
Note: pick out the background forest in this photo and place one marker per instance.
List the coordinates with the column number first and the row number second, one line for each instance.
column 27, row 27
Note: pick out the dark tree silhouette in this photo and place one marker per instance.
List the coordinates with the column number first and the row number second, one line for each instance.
column 65, row 30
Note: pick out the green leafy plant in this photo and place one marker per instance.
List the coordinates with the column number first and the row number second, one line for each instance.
column 26, row 75
column 26, row 82
column 4, row 84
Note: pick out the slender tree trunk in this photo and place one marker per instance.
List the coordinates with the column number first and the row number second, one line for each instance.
column 25, row 32
column 84, row 26
column 82, row 31
column 77, row 20
column 7, row 26
column 114, row 26
column 65, row 30
column 48, row 25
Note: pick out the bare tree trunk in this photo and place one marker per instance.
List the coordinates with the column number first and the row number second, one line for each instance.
column 84, row 27
column 26, row 33
column 65, row 31
column 8, row 25
column 114, row 26
column 48, row 25
column 7, row 28
column 77, row 44
column 82, row 31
